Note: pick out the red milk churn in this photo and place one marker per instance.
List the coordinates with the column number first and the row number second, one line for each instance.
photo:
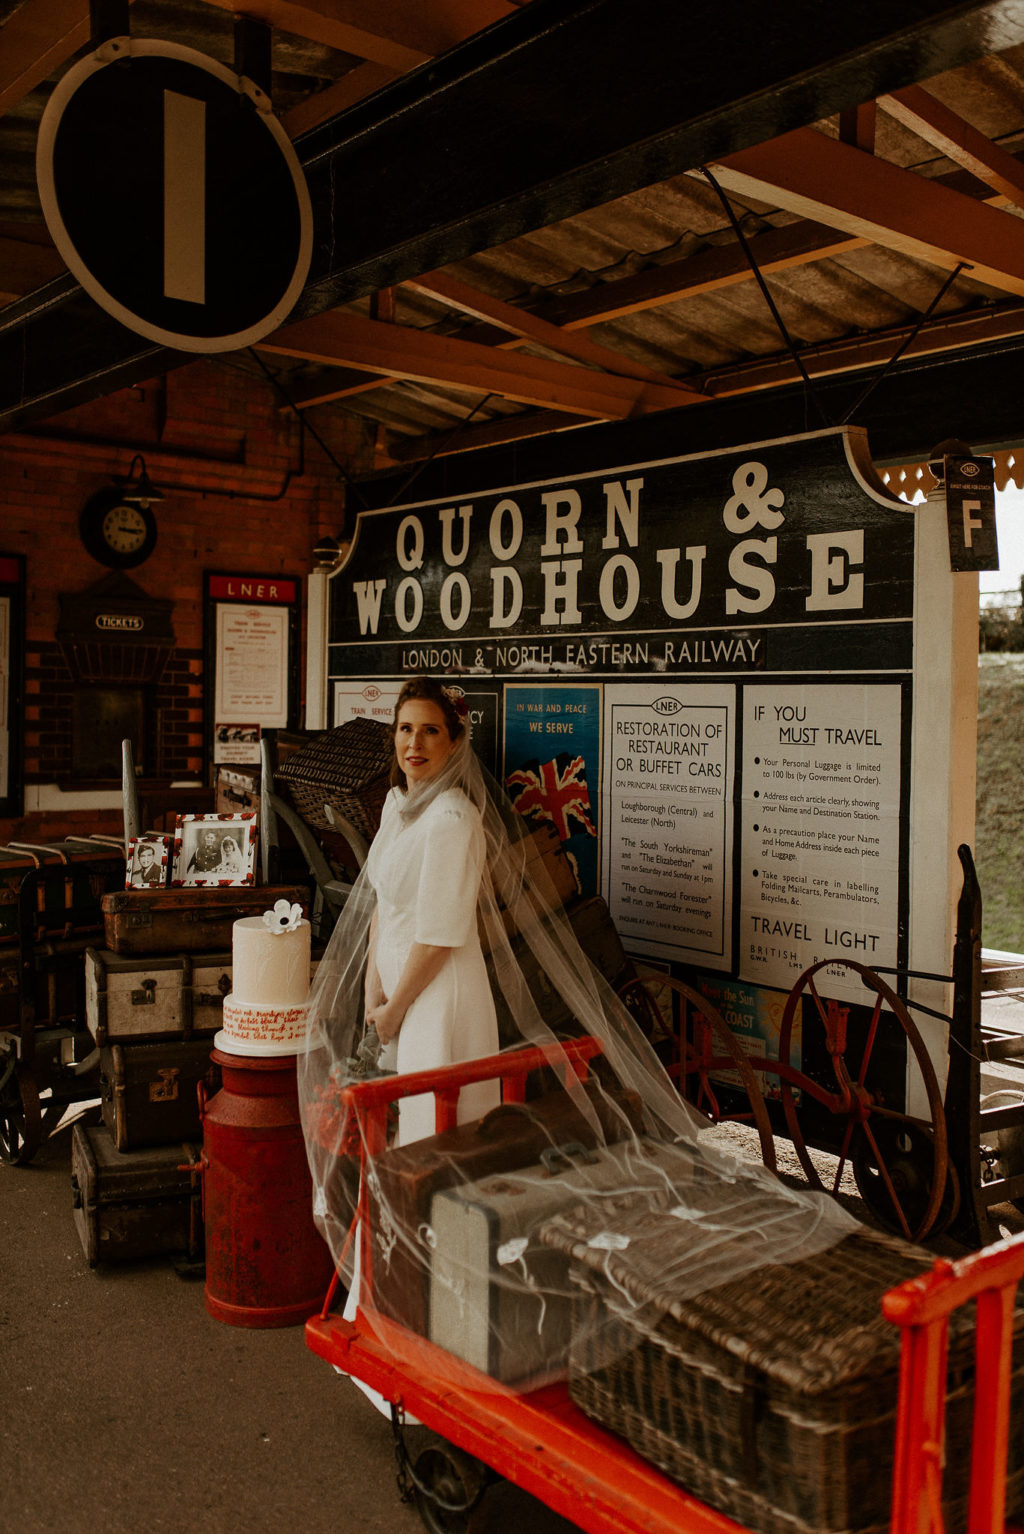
column 266, row 1262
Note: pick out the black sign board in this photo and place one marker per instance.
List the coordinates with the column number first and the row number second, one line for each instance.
column 768, row 557
column 971, row 512
column 174, row 196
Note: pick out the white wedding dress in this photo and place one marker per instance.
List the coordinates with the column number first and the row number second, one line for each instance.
column 426, row 874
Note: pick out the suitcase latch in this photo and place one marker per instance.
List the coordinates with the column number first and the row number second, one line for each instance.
column 165, row 1090
column 145, row 996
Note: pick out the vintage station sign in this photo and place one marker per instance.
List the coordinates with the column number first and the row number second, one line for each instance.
column 725, row 680
column 725, row 563
column 702, row 670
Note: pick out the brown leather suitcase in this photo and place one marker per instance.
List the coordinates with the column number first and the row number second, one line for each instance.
column 508, row 1138
column 143, row 1204
column 149, row 1092
column 187, row 920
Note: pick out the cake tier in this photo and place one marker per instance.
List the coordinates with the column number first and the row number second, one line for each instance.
column 269, row 969
column 250, row 1028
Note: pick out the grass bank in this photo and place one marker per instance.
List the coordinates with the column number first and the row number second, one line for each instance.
column 999, row 836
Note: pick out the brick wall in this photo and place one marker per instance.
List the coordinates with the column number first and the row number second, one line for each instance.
column 246, row 491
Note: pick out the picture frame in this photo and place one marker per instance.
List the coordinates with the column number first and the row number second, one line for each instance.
column 148, row 862
column 214, row 851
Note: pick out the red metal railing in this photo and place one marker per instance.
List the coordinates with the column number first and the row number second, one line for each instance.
column 922, row 1308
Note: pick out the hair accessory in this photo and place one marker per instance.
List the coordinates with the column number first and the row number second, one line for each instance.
column 285, row 917
column 457, row 701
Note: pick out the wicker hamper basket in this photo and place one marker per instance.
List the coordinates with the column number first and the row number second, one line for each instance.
column 344, row 772
column 773, row 1397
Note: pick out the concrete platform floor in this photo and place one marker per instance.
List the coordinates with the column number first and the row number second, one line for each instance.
column 129, row 1410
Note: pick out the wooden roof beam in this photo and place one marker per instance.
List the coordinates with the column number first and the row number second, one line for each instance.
column 396, row 351
column 524, row 326
column 951, row 334
column 390, row 32
column 36, row 39
column 923, row 114
column 820, row 178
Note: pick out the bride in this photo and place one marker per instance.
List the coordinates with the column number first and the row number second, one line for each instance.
column 426, row 992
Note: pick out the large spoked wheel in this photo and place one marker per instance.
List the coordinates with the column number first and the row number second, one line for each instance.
column 448, row 1488
column 900, row 1163
column 658, row 1003
column 21, row 1118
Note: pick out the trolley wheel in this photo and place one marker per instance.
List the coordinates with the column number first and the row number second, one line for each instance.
column 448, row 1489
column 647, row 998
column 21, row 1119
column 902, row 1161
column 908, row 1154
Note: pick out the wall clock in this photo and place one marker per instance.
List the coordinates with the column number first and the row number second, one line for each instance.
column 118, row 533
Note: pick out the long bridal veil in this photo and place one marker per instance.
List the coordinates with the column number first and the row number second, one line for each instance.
column 478, row 1237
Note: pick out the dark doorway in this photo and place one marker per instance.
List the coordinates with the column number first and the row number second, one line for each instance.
column 101, row 718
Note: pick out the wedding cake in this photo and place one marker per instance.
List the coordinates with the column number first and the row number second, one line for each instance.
column 266, row 1011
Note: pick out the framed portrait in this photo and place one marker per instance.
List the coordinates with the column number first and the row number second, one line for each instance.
column 212, row 850
column 148, row 862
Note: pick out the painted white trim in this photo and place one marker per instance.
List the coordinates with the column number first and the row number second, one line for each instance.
column 943, row 766
column 47, row 797
column 42, row 798
column 317, row 609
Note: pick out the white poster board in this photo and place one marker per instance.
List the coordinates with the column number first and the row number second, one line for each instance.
column 820, row 831
column 252, row 665
column 668, row 775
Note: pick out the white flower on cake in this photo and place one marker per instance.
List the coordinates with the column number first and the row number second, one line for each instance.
column 285, row 917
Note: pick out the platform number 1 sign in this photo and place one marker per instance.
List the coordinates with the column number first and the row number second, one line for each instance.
column 174, row 196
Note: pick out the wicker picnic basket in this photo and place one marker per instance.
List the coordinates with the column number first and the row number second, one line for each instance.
column 343, row 773
column 772, row 1398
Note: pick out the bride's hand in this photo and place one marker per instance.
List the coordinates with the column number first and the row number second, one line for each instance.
column 387, row 1020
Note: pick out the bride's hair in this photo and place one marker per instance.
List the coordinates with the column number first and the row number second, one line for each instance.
column 428, row 690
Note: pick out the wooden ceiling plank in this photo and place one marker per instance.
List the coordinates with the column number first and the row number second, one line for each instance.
column 359, row 83
column 390, row 32
column 349, row 340
column 947, row 335
column 952, row 333
column 336, row 24
column 515, row 428
column 36, row 40
column 531, row 327
column 710, row 270
column 823, row 179
column 923, row 114
column 346, row 385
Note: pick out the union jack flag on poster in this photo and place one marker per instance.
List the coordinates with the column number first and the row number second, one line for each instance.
column 556, row 791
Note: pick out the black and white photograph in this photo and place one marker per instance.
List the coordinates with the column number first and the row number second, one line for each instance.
column 148, row 861
column 214, row 849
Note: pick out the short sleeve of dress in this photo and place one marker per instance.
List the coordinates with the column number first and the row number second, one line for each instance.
column 449, row 877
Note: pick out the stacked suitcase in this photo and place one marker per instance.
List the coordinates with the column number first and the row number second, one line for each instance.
column 154, row 999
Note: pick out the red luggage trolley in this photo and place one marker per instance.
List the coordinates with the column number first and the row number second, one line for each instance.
column 540, row 1441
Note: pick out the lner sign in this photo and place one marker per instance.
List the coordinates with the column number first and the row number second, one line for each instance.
column 174, row 195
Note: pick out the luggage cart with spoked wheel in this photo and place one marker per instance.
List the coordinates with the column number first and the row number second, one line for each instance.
column 541, row 1442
